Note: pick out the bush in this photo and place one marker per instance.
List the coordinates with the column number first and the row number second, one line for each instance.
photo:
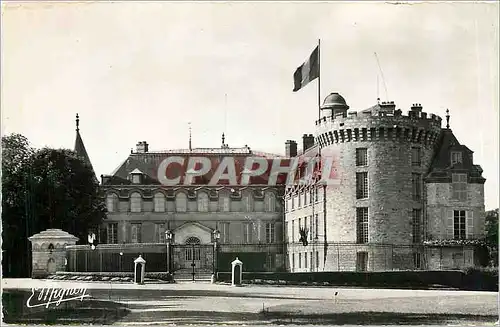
column 160, row 276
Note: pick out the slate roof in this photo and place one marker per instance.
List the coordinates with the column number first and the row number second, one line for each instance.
column 82, row 152
column 148, row 164
column 441, row 167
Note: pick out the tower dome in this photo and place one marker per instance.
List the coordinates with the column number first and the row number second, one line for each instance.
column 334, row 101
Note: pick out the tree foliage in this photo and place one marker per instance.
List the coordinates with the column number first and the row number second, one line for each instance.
column 67, row 194
column 41, row 189
column 491, row 228
column 16, row 155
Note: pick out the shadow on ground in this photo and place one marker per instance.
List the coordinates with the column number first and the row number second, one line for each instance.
column 88, row 311
column 374, row 318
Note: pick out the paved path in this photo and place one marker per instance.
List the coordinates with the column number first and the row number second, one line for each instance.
column 205, row 303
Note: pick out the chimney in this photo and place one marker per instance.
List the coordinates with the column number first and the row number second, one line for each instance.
column 290, row 148
column 142, row 147
column 416, row 107
column 307, row 142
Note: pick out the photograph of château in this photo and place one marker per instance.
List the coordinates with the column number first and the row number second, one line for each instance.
column 409, row 197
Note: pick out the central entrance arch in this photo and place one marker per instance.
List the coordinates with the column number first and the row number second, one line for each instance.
column 192, row 253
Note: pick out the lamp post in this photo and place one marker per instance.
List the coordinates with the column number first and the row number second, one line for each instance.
column 168, row 239
column 121, row 257
column 216, row 235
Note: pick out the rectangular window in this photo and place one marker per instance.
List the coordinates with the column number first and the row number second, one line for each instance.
column 456, row 157
column 160, row 233
column 270, row 235
column 293, row 202
column 361, row 157
column 247, row 233
column 311, row 232
column 293, row 260
column 112, row 233
column 316, row 194
column 361, row 261
column 416, row 225
column 135, row 203
column 459, row 186
column 136, row 233
column 311, row 194
column 305, row 260
column 311, row 259
column 416, row 260
column 316, row 227
column 286, row 232
column 159, row 203
column 305, row 198
column 193, row 253
column 300, row 260
column 224, row 203
column 362, row 225
column 459, row 231
column 224, row 232
column 317, row 260
column 361, row 185
column 298, row 201
column 416, row 157
column 305, row 224
column 136, row 178
column 293, row 231
column 416, row 186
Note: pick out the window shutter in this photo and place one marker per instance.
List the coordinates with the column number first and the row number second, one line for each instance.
column 469, row 224
column 450, row 187
column 449, row 225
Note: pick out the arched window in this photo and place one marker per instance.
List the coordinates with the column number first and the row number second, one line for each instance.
column 203, row 202
column 159, row 202
column 112, row 202
column 224, row 202
column 193, row 240
column 247, row 201
column 135, row 202
column 270, row 202
column 181, row 202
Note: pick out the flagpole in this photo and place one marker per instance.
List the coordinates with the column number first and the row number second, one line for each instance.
column 319, row 79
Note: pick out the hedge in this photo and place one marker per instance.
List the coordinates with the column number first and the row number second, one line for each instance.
column 472, row 279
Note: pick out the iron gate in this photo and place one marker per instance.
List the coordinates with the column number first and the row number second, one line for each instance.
column 193, row 261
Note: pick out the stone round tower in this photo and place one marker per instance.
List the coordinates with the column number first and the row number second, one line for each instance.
column 383, row 156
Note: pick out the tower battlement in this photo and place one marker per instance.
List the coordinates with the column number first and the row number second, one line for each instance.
column 379, row 123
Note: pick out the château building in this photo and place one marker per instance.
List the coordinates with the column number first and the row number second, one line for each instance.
column 409, row 195
column 249, row 218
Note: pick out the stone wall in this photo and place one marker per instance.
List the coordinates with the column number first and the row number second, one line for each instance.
column 440, row 207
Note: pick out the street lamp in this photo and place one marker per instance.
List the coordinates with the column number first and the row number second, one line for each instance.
column 216, row 235
column 121, row 261
column 168, row 240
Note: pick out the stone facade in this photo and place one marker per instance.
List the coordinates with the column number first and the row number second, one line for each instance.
column 140, row 209
column 406, row 201
column 49, row 251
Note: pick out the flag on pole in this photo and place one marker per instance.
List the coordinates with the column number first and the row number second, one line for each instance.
column 307, row 72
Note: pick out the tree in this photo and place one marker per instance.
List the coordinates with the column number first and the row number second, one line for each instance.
column 16, row 155
column 47, row 188
column 491, row 228
column 67, row 193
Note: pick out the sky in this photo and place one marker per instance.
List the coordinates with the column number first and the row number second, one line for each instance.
column 143, row 71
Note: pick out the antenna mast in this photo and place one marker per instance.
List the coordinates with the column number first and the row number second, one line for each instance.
column 383, row 79
column 189, row 136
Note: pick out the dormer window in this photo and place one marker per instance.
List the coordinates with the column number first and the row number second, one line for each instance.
column 456, row 157
column 136, row 176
